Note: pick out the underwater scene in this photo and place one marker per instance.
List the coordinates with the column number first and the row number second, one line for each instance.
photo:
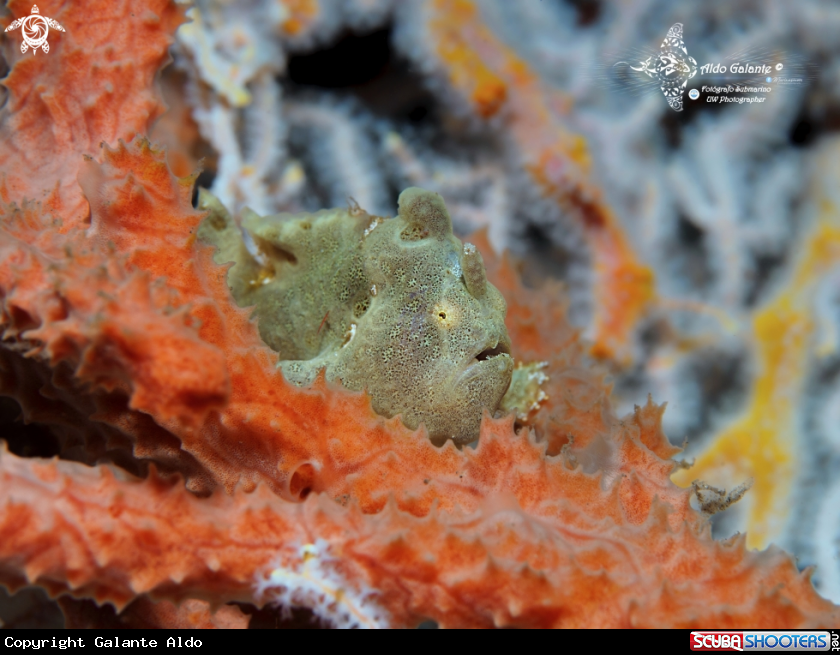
column 420, row 313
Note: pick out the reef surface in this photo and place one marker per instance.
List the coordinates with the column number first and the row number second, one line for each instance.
column 194, row 484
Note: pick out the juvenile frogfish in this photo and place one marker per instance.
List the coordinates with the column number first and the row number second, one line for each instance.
column 395, row 306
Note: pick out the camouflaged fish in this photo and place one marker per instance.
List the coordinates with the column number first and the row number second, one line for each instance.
column 396, row 306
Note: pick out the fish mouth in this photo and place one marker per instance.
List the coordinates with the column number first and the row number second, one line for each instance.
column 485, row 360
column 501, row 348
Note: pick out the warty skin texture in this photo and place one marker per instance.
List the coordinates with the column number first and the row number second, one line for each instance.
column 397, row 307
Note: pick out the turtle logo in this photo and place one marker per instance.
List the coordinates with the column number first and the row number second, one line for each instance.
column 35, row 29
column 673, row 68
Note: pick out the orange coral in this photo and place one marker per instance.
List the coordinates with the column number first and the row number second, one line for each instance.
column 301, row 13
column 564, row 564
column 144, row 613
column 120, row 333
column 95, row 86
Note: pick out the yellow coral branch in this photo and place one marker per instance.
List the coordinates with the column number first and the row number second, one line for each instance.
column 763, row 443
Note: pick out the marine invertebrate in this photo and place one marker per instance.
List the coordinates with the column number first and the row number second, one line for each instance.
column 397, row 307
column 441, row 500
column 531, row 561
column 120, row 334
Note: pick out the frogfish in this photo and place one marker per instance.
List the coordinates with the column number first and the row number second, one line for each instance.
column 396, row 306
